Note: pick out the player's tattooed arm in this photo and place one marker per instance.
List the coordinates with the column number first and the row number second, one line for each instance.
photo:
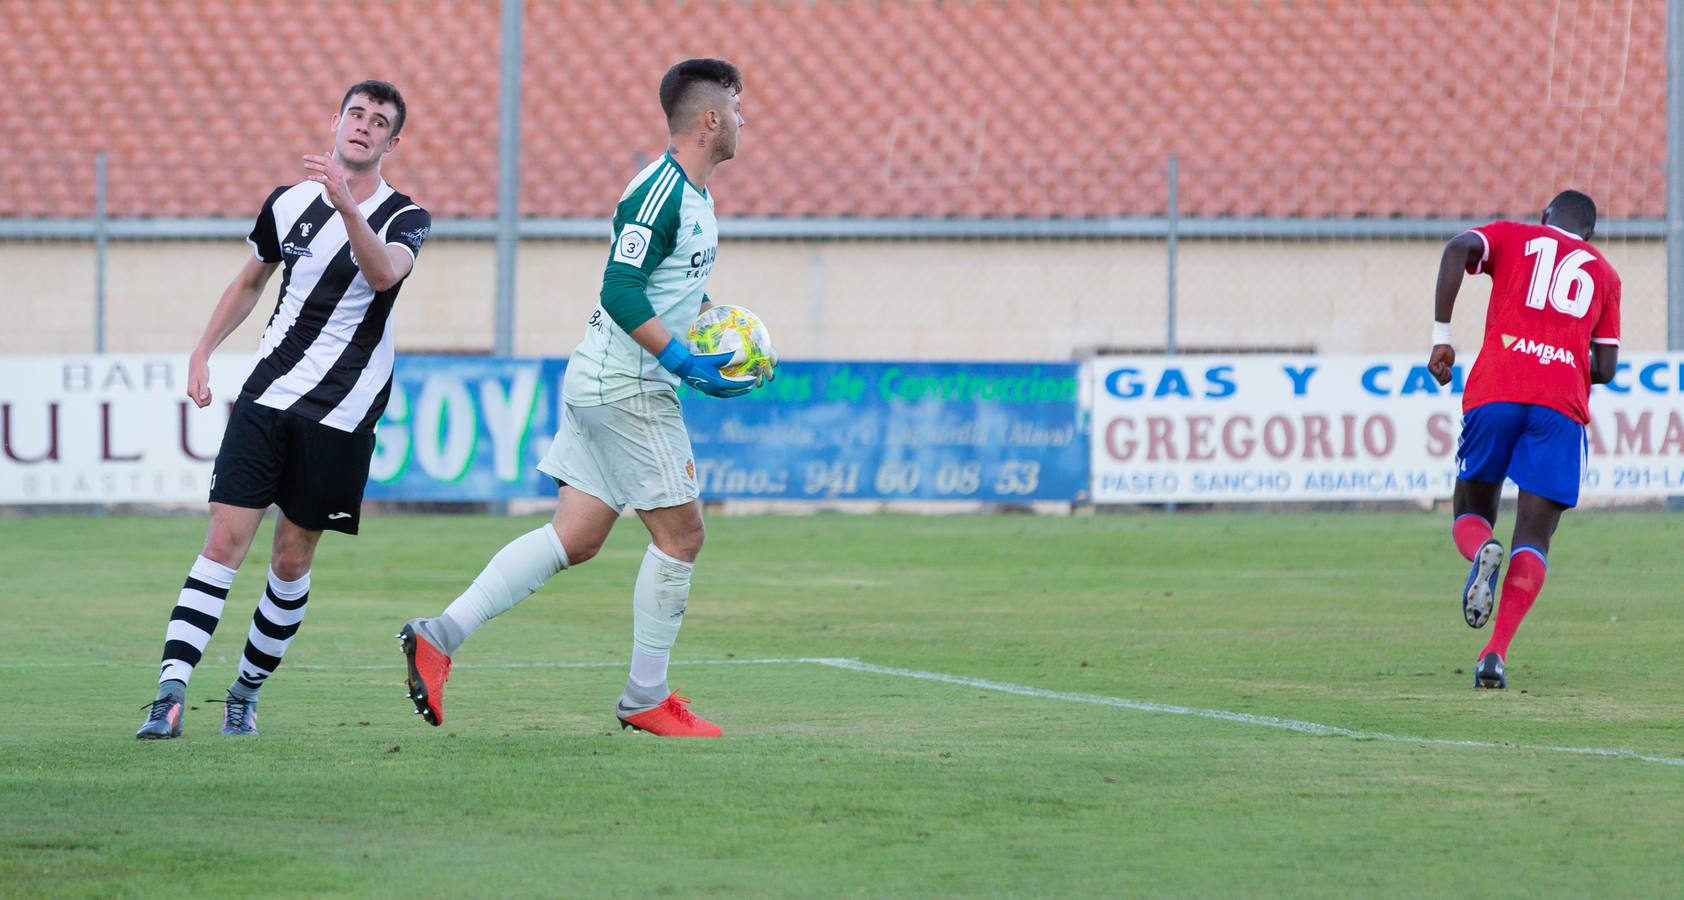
column 1464, row 251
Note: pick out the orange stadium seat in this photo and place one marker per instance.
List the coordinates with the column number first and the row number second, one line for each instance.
column 987, row 109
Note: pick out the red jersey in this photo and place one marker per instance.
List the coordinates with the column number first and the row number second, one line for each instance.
column 1552, row 296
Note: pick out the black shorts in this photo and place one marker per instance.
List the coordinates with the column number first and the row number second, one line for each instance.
column 314, row 473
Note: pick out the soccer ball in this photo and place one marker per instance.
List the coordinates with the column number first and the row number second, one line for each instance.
column 736, row 330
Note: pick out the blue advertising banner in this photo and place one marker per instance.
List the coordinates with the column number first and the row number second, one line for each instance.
column 995, row 432
column 464, row 428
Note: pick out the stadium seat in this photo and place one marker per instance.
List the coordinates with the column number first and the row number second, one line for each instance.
column 1356, row 110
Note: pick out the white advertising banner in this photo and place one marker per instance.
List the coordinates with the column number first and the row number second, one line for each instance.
column 1221, row 429
column 119, row 428
column 110, row 429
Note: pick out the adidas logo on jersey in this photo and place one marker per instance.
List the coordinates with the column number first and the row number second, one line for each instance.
column 696, row 229
column 1546, row 353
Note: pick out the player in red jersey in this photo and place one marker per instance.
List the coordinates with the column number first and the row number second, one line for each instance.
column 1552, row 330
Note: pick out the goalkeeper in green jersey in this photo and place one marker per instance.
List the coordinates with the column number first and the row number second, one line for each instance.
column 622, row 440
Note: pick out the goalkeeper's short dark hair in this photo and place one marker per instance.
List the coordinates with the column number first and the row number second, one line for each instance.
column 684, row 78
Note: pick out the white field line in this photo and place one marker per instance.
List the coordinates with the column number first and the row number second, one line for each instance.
column 1226, row 716
column 1021, row 690
column 616, row 664
column 343, row 667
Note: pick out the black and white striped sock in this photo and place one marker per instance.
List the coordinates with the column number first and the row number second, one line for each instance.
column 194, row 618
column 272, row 627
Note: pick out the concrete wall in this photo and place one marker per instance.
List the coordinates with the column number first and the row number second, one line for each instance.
column 862, row 299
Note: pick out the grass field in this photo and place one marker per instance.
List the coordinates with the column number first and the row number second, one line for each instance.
column 840, row 781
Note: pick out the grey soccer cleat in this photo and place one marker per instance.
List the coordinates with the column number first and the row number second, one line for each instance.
column 1489, row 673
column 1479, row 594
column 239, row 716
column 163, row 720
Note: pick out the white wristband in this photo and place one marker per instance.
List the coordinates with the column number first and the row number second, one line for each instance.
column 1441, row 333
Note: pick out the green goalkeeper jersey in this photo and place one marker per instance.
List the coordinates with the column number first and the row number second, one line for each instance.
column 665, row 239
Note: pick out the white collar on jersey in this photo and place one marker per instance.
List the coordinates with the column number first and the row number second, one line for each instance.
column 1556, row 227
column 381, row 192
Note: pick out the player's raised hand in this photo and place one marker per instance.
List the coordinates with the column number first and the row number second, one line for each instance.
column 1441, row 361
column 324, row 170
column 198, row 381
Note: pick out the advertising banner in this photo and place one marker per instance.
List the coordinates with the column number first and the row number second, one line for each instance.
column 995, row 432
column 466, row 428
column 109, row 429
column 1269, row 428
column 118, row 429
column 474, row 429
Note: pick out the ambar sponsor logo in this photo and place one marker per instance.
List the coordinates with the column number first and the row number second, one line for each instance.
column 1545, row 353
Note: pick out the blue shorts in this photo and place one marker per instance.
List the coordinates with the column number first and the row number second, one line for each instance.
column 1536, row 447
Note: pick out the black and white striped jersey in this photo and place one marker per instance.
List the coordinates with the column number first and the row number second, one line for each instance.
column 327, row 353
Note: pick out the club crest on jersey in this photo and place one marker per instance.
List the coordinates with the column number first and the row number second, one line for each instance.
column 304, row 228
column 291, row 249
column 1545, row 353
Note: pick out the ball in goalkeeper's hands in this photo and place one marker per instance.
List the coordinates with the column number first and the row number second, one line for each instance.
column 736, row 330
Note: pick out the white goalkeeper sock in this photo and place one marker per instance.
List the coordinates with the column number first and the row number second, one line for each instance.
column 658, row 602
column 521, row 567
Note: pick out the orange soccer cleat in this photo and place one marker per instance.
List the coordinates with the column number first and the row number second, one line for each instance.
column 429, row 669
column 669, row 718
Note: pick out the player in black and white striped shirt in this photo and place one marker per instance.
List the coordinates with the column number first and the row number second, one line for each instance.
column 302, row 431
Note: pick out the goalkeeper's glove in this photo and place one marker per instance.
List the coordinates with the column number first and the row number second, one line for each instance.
column 702, row 371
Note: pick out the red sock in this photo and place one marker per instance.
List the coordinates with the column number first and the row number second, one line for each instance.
column 1470, row 531
column 1520, row 587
